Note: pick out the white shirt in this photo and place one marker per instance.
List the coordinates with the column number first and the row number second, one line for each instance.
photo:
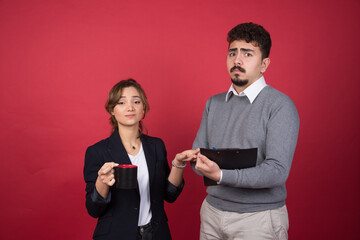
column 251, row 91
column 144, row 188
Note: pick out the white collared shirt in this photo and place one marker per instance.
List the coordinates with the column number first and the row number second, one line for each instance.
column 250, row 92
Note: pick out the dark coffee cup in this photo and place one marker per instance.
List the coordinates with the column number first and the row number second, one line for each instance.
column 126, row 176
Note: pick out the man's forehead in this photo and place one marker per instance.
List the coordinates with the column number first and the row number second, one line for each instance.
column 243, row 44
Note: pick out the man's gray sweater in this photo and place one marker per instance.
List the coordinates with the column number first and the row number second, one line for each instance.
column 270, row 124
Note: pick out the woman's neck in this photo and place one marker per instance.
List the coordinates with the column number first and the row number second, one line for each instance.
column 130, row 138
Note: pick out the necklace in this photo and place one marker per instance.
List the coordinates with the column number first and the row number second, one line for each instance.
column 132, row 146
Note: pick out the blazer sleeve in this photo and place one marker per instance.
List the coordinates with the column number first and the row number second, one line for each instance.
column 171, row 191
column 95, row 204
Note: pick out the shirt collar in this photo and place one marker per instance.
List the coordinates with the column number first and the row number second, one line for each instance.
column 250, row 92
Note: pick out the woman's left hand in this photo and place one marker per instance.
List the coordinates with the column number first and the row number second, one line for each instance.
column 186, row 156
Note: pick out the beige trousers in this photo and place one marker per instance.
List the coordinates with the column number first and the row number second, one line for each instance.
column 217, row 224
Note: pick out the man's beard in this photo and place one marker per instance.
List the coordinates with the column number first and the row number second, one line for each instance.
column 239, row 82
column 236, row 80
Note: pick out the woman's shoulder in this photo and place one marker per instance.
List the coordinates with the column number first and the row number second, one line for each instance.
column 100, row 144
column 151, row 139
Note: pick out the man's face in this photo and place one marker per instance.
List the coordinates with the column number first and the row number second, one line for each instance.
column 245, row 64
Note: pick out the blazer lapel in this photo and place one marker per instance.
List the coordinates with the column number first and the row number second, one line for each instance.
column 116, row 149
column 150, row 155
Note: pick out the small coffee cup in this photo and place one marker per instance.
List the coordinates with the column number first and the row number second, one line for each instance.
column 126, row 176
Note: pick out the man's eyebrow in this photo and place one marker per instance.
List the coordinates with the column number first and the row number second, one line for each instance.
column 246, row 50
column 241, row 50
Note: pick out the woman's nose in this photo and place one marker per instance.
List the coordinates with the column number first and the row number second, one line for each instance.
column 131, row 107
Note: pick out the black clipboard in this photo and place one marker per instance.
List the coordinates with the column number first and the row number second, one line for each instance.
column 230, row 159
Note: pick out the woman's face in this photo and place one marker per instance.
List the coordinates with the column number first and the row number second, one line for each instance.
column 130, row 109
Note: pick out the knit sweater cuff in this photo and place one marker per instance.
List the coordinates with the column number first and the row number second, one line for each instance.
column 229, row 177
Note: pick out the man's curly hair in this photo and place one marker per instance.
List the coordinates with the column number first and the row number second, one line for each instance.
column 251, row 33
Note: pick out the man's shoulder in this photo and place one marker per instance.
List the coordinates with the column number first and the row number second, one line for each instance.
column 275, row 100
column 273, row 95
column 218, row 97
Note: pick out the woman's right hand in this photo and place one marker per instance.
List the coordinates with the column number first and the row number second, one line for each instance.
column 105, row 179
column 106, row 173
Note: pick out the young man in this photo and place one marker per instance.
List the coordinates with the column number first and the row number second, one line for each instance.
column 247, row 203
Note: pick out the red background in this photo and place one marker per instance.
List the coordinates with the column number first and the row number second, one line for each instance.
column 59, row 59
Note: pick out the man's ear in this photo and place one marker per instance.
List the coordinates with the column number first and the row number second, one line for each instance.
column 264, row 65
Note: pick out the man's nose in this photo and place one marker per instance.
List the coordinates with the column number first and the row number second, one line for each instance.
column 238, row 60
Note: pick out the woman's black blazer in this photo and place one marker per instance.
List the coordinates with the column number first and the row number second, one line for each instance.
column 118, row 214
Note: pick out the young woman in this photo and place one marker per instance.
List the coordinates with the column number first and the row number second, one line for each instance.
column 131, row 213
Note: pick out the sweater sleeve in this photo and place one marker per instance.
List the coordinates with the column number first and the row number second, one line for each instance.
column 281, row 138
column 201, row 140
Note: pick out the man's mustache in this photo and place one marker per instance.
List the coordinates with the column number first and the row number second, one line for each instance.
column 238, row 68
